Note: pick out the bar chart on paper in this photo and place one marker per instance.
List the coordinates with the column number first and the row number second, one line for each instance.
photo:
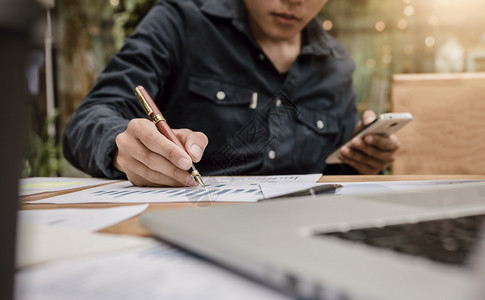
column 218, row 189
column 212, row 192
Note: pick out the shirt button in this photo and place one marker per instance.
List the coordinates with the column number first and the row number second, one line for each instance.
column 320, row 124
column 261, row 56
column 220, row 95
column 271, row 154
column 278, row 102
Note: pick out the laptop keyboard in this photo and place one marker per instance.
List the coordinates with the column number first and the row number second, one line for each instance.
column 448, row 241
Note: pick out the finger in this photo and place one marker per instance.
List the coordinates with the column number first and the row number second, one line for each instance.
column 195, row 142
column 370, row 150
column 362, row 158
column 149, row 136
column 390, row 143
column 368, row 117
column 137, row 172
column 135, row 153
column 138, row 180
column 361, row 168
column 160, row 166
column 375, row 153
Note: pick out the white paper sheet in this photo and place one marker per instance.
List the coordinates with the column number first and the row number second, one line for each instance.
column 155, row 273
column 353, row 188
column 90, row 219
column 350, row 188
column 278, row 189
column 38, row 243
column 34, row 185
column 218, row 189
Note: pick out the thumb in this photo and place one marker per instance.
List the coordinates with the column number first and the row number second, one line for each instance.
column 368, row 117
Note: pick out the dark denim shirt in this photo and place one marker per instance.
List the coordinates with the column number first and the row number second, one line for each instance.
column 205, row 71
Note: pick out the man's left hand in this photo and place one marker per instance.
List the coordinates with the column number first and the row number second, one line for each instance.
column 372, row 153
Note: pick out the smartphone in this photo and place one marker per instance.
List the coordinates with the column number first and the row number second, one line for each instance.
column 386, row 124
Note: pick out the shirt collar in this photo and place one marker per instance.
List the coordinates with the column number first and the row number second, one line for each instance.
column 316, row 40
column 229, row 9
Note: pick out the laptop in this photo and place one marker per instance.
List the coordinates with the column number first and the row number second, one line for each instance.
column 417, row 244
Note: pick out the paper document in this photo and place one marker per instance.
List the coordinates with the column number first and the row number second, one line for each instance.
column 158, row 272
column 350, row 188
column 278, row 189
column 34, row 185
column 38, row 243
column 218, row 189
column 91, row 219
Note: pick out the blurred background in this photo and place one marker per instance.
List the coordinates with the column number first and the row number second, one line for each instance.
column 75, row 39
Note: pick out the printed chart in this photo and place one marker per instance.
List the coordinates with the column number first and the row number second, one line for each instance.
column 218, row 189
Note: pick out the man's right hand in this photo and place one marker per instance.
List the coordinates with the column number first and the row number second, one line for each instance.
column 148, row 158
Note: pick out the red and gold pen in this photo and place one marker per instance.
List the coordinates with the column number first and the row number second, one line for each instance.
column 157, row 118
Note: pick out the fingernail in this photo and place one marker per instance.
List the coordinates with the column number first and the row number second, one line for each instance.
column 196, row 151
column 184, row 164
column 368, row 120
column 189, row 181
column 344, row 151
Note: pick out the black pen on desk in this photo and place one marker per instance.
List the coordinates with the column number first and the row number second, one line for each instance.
column 157, row 118
column 318, row 189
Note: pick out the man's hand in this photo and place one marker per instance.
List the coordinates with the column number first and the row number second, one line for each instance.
column 149, row 159
column 370, row 154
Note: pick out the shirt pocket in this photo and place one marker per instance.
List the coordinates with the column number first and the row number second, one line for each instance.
column 317, row 135
column 219, row 92
column 221, row 110
column 318, row 122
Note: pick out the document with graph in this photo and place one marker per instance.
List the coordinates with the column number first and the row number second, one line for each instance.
column 218, row 189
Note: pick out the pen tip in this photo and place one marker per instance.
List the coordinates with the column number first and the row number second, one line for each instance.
column 196, row 175
column 199, row 181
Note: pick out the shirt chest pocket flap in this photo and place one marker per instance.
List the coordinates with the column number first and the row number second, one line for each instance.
column 219, row 92
column 318, row 122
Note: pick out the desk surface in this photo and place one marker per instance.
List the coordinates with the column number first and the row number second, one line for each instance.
column 132, row 226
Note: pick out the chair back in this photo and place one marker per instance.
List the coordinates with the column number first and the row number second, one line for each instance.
column 447, row 135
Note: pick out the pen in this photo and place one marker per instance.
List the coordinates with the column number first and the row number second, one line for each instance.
column 319, row 189
column 157, row 118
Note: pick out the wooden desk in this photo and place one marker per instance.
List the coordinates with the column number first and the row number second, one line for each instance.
column 132, row 227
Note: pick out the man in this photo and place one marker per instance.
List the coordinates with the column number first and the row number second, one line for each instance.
column 261, row 87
